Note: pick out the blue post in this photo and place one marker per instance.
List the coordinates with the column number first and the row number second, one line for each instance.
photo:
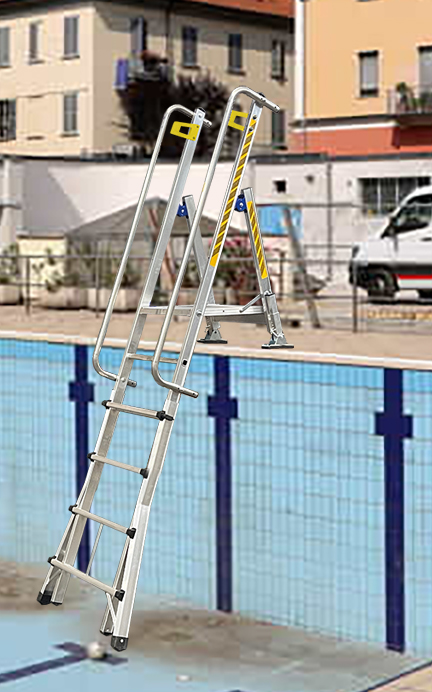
column 81, row 392
column 394, row 426
column 223, row 409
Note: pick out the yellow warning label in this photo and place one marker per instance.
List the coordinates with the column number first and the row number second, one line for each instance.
column 232, row 195
column 257, row 239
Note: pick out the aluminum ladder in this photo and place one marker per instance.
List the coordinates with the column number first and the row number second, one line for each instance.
column 121, row 595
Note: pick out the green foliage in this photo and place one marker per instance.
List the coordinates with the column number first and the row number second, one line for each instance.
column 9, row 265
column 145, row 103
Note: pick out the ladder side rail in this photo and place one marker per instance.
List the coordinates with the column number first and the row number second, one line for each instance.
column 121, row 270
column 118, row 393
column 201, row 258
column 271, row 312
column 258, row 102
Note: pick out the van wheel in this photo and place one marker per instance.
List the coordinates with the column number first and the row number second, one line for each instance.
column 381, row 284
column 425, row 294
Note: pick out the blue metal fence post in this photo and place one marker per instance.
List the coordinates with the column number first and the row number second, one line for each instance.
column 223, row 409
column 81, row 392
column 394, row 426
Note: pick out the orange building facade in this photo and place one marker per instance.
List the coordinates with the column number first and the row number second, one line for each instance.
column 363, row 82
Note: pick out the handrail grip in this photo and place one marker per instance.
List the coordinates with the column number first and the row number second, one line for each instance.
column 260, row 99
column 121, row 270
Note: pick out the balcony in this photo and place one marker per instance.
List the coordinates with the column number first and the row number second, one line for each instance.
column 410, row 105
column 145, row 67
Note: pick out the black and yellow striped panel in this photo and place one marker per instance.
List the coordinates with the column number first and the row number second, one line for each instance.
column 257, row 240
column 232, row 195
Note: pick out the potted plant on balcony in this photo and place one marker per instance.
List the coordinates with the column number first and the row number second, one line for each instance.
column 406, row 101
column 9, row 276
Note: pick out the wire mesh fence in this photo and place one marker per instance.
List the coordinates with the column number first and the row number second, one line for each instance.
column 293, row 492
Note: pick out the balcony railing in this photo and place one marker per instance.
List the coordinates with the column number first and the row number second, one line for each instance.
column 410, row 103
column 134, row 69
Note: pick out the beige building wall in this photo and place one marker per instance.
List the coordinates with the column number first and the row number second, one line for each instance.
column 104, row 37
column 337, row 30
column 38, row 88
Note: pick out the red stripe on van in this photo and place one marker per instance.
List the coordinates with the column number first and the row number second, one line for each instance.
column 415, row 277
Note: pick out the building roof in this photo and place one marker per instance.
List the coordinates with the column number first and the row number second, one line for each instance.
column 280, row 8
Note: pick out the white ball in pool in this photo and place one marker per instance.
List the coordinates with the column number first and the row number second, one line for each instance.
column 96, row 650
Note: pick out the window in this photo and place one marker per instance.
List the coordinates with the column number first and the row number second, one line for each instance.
column 138, row 31
column 414, row 216
column 280, row 186
column 71, row 37
column 70, row 113
column 235, row 56
column 4, row 46
column 34, row 41
column 381, row 196
column 189, row 46
column 425, row 67
column 278, row 60
column 369, row 77
column 7, row 120
column 278, row 129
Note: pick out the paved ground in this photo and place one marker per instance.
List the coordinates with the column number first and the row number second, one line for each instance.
column 85, row 324
column 419, row 681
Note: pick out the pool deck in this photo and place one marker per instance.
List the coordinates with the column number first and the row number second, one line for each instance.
column 174, row 648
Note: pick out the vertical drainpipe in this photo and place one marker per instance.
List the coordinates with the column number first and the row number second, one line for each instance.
column 169, row 48
column 330, row 238
column 300, row 68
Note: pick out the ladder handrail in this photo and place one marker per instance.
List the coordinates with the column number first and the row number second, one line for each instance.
column 262, row 101
column 121, row 270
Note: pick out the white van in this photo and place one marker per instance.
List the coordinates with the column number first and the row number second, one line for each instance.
column 399, row 257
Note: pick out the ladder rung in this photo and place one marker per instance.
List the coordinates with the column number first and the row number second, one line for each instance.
column 146, row 412
column 135, row 356
column 85, row 577
column 222, row 313
column 101, row 520
column 119, row 464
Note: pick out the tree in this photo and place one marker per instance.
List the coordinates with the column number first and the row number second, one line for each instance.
column 150, row 92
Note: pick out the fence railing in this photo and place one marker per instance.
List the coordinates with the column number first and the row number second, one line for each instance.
column 84, row 282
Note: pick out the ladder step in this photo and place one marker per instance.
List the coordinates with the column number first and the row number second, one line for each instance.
column 119, row 464
column 135, row 356
column 146, row 412
column 115, row 593
column 222, row 313
column 106, row 522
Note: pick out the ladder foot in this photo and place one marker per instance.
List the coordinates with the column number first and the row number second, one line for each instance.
column 277, row 345
column 106, row 633
column 211, row 341
column 119, row 643
column 44, row 598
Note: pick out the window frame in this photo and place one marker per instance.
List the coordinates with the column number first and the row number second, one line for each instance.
column 186, row 45
column 278, row 45
column 380, row 208
column 9, row 117
column 6, row 30
column 232, row 48
column 141, row 33
column 75, row 53
column 279, row 117
column 73, row 132
column 37, row 24
column 371, row 92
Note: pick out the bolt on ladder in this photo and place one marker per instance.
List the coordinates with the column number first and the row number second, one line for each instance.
column 121, row 595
